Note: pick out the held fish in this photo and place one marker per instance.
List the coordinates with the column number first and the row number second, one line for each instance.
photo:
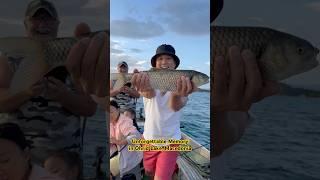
column 36, row 58
column 162, row 79
column 279, row 55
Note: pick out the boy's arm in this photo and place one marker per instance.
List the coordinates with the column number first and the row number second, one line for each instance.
column 228, row 129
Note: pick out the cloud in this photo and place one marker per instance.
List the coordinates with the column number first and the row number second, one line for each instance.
column 11, row 21
column 313, row 6
column 118, row 54
column 68, row 23
column 141, row 62
column 133, row 62
column 116, row 51
column 131, row 28
column 186, row 17
column 135, row 50
column 11, row 27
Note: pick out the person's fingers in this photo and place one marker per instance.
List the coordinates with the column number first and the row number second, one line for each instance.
column 147, row 82
column 101, row 69
column 74, row 59
column 90, row 60
column 220, row 80
column 81, row 30
column 269, row 88
column 183, row 86
column 134, row 80
column 237, row 80
column 179, row 85
column 138, row 81
column 253, row 79
column 143, row 82
column 189, row 86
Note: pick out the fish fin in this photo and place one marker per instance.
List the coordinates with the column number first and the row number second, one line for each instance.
column 31, row 67
column 153, row 69
column 120, row 80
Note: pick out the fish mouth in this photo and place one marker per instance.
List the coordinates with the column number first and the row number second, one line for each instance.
column 313, row 63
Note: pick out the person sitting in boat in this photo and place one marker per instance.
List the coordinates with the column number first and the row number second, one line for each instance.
column 122, row 132
column 162, row 113
column 125, row 96
column 50, row 112
column 15, row 163
column 65, row 164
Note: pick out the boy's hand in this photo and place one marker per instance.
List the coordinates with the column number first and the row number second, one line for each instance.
column 239, row 84
column 141, row 81
column 87, row 61
column 184, row 87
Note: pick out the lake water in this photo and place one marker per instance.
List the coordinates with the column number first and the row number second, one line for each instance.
column 282, row 143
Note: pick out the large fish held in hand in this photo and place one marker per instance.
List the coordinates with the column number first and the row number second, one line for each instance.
column 162, row 79
column 279, row 55
column 33, row 59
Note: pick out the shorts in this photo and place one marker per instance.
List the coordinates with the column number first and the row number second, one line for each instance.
column 160, row 163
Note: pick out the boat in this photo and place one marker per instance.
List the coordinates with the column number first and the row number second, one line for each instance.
column 194, row 164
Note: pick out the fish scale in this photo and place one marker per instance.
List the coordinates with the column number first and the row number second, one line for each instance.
column 276, row 52
column 162, row 79
column 37, row 57
column 36, row 63
column 279, row 55
column 55, row 53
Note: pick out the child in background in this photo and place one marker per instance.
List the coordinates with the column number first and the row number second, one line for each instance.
column 65, row 164
column 130, row 113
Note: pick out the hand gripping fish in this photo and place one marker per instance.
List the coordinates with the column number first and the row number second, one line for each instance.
column 162, row 79
column 36, row 58
column 279, row 55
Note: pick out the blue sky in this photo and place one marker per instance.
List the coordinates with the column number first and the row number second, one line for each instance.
column 138, row 28
column 297, row 17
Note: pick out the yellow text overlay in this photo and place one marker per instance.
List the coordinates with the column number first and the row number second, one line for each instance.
column 159, row 148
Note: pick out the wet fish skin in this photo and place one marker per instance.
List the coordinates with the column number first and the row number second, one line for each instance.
column 162, row 79
column 279, row 55
column 37, row 57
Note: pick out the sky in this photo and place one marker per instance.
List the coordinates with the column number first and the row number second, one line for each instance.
column 297, row 17
column 71, row 13
column 138, row 28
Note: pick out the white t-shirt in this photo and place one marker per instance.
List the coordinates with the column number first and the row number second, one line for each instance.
column 161, row 122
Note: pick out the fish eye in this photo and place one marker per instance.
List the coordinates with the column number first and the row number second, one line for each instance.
column 300, row 50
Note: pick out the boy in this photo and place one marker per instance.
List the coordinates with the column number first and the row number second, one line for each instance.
column 162, row 113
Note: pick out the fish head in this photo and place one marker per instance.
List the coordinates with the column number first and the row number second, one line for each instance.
column 288, row 55
column 199, row 78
